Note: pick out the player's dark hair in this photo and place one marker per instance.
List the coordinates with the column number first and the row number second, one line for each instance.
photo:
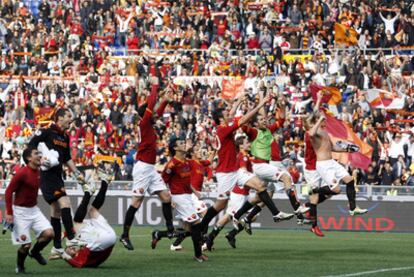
column 217, row 114
column 171, row 145
column 60, row 113
column 27, row 153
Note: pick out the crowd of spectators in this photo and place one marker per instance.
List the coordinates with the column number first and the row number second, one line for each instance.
column 75, row 53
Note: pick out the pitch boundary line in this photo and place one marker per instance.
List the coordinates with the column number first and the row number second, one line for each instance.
column 373, row 271
column 132, row 236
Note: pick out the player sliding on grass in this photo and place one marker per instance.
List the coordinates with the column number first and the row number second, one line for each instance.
column 95, row 232
column 23, row 213
column 228, row 173
column 177, row 174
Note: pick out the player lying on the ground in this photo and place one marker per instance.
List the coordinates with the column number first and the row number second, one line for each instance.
column 98, row 235
column 22, row 212
column 177, row 174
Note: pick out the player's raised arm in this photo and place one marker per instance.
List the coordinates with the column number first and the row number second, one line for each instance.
column 314, row 130
column 249, row 115
column 236, row 105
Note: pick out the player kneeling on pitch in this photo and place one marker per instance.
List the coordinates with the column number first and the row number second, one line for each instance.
column 98, row 235
column 22, row 213
column 177, row 174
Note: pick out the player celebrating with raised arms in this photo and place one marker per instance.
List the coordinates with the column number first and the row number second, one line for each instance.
column 23, row 213
column 177, row 174
column 328, row 169
column 146, row 178
column 228, row 173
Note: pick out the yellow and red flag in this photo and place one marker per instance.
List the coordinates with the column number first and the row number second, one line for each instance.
column 339, row 130
column 345, row 35
column 232, row 88
column 331, row 95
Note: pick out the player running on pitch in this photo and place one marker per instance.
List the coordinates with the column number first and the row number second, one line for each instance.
column 261, row 150
column 238, row 196
column 54, row 145
column 177, row 174
column 198, row 171
column 23, row 213
column 228, row 173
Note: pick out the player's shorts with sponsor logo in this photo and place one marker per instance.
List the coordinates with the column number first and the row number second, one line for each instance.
column 26, row 219
column 198, row 204
column 269, row 173
column 146, row 179
column 97, row 233
column 313, row 179
column 235, row 203
column 52, row 185
column 185, row 208
column 331, row 172
column 227, row 181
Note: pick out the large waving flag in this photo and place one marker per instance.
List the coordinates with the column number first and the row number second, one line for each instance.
column 331, row 95
column 345, row 35
column 339, row 130
column 382, row 99
column 232, row 88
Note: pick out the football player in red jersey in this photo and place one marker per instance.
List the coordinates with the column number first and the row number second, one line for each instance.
column 23, row 213
column 145, row 176
column 237, row 197
column 227, row 171
column 199, row 169
column 95, row 232
column 177, row 174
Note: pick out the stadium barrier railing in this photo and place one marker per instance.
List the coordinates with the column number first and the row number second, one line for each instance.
column 125, row 52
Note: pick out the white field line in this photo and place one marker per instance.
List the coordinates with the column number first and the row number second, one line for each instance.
column 373, row 271
column 131, row 236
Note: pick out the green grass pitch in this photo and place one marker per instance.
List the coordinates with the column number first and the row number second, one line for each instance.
column 266, row 253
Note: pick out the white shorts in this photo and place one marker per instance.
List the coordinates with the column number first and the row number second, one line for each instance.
column 25, row 219
column 313, row 179
column 198, row 204
column 268, row 172
column 331, row 172
column 186, row 211
column 227, row 181
column 146, row 179
column 235, row 203
column 97, row 233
